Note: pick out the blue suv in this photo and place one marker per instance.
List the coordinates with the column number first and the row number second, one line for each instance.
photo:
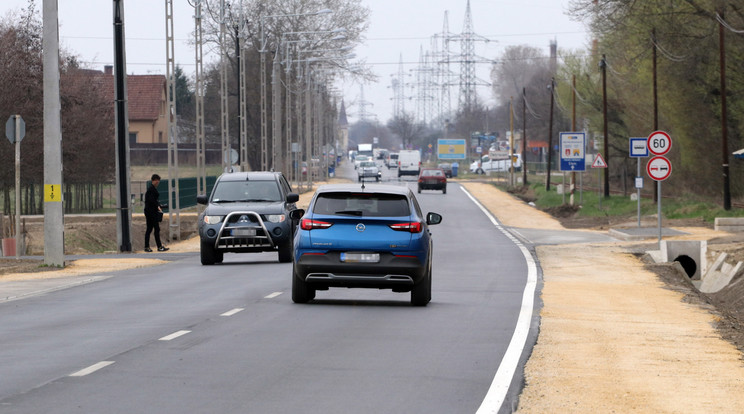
column 363, row 237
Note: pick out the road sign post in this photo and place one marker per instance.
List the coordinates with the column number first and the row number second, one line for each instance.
column 599, row 163
column 659, row 168
column 15, row 130
column 638, row 150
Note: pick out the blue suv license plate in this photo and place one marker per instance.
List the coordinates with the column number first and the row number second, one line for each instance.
column 360, row 257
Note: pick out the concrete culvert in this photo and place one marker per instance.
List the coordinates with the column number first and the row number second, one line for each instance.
column 688, row 263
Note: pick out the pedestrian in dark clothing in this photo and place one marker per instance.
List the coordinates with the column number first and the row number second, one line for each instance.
column 153, row 214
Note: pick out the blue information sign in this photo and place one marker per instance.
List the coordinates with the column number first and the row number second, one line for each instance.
column 573, row 151
column 638, row 148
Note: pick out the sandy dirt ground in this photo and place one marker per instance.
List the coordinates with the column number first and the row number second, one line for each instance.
column 613, row 338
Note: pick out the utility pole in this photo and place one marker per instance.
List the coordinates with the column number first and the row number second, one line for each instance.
column 603, row 66
column 308, row 124
column 724, row 117
column 240, row 53
column 550, row 133
column 54, row 225
column 121, row 117
column 201, row 171
column 174, row 202
column 524, row 137
column 573, row 128
column 276, row 112
column 656, row 103
column 225, row 123
column 264, row 115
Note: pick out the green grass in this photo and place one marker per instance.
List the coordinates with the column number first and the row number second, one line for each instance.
column 683, row 207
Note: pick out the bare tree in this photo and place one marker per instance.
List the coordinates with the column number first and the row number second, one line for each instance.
column 407, row 129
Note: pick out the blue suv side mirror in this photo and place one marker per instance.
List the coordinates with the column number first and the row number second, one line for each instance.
column 433, row 218
column 296, row 214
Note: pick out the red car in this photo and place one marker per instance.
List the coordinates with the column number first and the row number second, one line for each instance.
column 432, row 179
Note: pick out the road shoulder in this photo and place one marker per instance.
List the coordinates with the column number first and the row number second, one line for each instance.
column 613, row 336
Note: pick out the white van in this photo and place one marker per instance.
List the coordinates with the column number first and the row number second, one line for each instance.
column 409, row 162
column 392, row 160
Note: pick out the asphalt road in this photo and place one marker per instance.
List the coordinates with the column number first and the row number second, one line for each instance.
column 227, row 338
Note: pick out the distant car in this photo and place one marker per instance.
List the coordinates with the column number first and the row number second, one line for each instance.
column 368, row 169
column 247, row 212
column 432, row 179
column 392, row 160
column 360, row 159
column 371, row 236
column 447, row 168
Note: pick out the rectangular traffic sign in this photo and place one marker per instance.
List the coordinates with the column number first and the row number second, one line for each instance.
column 572, row 146
column 638, row 147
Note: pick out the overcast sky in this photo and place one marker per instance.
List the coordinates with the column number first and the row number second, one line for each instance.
column 396, row 27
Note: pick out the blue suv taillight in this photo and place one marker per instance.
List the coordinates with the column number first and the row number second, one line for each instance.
column 309, row 224
column 411, row 227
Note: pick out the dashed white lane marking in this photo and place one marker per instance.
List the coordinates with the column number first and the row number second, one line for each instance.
column 174, row 335
column 232, row 312
column 91, row 369
column 273, row 295
column 505, row 373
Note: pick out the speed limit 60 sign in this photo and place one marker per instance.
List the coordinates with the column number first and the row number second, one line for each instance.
column 659, row 143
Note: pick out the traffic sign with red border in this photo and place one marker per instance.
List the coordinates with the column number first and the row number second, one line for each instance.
column 659, row 168
column 599, row 162
column 659, row 143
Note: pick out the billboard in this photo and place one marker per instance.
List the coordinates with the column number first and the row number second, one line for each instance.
column 451, row 149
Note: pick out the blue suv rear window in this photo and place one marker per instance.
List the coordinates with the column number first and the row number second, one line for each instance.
column 362, row 204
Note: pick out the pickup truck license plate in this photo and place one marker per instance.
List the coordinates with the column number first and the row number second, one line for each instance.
column 244, row 232
column 360, row 257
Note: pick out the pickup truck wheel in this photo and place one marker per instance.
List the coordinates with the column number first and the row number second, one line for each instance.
column 285, row 252
column 479, row 171
column 444, row 190
column 219, row 256
column 421, row 293
column 301, row 291
column 208, row 254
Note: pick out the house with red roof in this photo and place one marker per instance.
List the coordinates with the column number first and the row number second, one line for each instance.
column 147, row 107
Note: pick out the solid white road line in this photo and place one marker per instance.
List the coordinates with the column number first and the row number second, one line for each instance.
column 505, row 373
column 273, row 295
column 91, row 369
column 232, row 312
column 174, row 335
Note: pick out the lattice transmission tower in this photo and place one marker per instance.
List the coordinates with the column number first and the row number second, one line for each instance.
column 468, row 59
column 363, row 114
column 398, row 85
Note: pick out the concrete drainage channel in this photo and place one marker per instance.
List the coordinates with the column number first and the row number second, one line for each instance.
column 692, row 255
